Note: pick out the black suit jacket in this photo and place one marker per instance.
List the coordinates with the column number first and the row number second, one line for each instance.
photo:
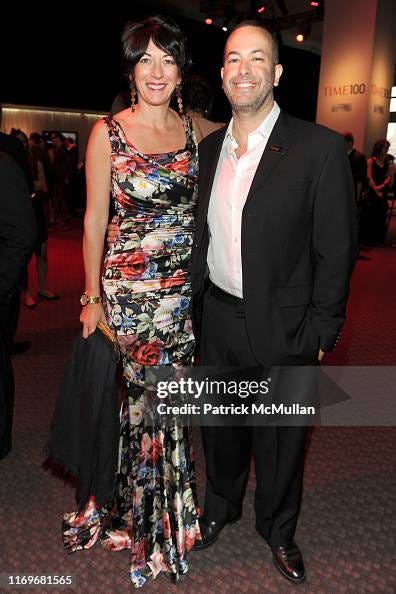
column 298, row 241
column 17, row 226
column 358, row 164
column 14, row 148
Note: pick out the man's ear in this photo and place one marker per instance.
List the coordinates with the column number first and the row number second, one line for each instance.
column 278, row 74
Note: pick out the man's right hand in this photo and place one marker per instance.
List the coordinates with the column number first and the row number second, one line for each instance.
column 113, row 231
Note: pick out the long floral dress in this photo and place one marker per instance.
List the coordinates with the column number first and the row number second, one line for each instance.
column 147, row 288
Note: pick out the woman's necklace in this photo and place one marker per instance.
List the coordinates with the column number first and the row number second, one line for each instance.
column 380, row 162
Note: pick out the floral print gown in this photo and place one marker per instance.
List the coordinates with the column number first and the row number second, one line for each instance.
column 146, row 282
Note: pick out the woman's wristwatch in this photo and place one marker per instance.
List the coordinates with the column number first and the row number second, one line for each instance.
column 86, row 300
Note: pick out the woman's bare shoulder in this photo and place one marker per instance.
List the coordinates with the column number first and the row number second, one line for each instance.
column 123, row 117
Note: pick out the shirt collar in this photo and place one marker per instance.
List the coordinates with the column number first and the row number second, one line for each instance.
column 264, row 129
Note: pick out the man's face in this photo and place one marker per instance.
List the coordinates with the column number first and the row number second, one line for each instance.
column 249, row 73
column 56, row 141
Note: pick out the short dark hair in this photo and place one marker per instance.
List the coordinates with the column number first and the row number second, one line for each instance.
column 165, row 34
column 197, row 95
column 272, row 34
column 57, row 135
column 35, row 137
column 120, row 102
column 378, row 146
column 16, row 132
column 348, row 137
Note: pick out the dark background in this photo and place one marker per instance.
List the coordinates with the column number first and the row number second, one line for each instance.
column 69, row 57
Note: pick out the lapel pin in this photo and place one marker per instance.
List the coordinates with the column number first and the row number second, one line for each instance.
column 274, row 148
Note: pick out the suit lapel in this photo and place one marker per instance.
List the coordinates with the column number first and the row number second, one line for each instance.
column 276, row 149
column 206, row 181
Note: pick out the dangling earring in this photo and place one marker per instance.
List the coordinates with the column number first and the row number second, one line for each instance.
column 133, row 98
column 179, row 100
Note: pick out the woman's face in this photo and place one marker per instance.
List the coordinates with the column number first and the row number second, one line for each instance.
column 156, row 76
column 384, row 150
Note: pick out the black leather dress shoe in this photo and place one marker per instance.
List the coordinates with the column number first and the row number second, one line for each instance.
column 288, row 560
column 17, row 348
column 48, row 297
column 210, row 532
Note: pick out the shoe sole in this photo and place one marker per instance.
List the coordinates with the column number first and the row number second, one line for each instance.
column 212, row 542
column 41, row 296
column 293, row 580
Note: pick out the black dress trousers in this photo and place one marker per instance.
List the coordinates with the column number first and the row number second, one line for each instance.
column 8, row 322
column 278, row 451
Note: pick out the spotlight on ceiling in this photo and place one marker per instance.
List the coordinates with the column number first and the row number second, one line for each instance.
column 224, row 28
column 208, row 21
column 314, row 3
column 261, row 9
column 303, row 33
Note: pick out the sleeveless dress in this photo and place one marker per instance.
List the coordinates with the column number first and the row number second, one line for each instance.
column 146, row 298
column 373, row 217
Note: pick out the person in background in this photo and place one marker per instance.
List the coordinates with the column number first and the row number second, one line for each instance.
column 17, row 238
column 15, row 145
column 21, row 136
column 47, row 153
column 72, row 185
column 62, row 170
column 120, row 102
column 197, row 98
column 373, row 221
column 81, row 198
column 358, row 164
column 391, row 170
column 39, row 167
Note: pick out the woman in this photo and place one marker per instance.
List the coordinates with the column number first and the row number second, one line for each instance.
column 40, row 169
column 147, row 155
column 197, row 99
column 375, row 206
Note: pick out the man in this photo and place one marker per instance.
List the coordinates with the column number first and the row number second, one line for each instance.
column 358, row 163
column 13, row 147
column 273, row 253
column 62, row 171
column 17, row 237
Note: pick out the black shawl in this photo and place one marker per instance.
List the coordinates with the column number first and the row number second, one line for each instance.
column 84, row 433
